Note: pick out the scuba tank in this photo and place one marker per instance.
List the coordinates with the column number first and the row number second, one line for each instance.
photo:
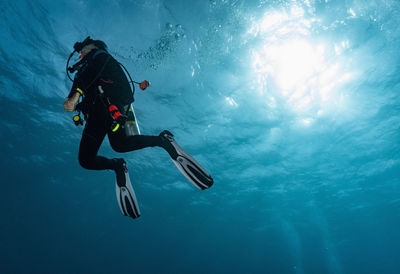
column 131, row 124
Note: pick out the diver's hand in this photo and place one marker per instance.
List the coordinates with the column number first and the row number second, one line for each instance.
column 69, row 104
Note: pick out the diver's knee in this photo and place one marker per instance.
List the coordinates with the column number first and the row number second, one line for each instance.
column 117, row 147
column 84, row 162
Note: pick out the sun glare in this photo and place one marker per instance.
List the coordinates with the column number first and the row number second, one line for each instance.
column 293, row 66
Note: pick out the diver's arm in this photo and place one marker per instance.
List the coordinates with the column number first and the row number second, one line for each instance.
column 70, row 102
column 73, row 98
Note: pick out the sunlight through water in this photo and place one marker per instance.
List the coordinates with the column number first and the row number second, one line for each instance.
column 295, row 66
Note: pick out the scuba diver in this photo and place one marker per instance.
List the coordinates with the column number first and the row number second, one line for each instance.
column 102, row 93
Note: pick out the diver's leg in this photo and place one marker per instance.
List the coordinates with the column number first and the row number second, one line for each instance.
column 92, row 138
column 186, row 164
column 88, row 149
column 122, row 143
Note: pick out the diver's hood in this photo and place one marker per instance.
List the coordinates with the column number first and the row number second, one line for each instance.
column 80, row 45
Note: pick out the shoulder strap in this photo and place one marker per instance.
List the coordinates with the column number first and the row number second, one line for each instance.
column 102, row 68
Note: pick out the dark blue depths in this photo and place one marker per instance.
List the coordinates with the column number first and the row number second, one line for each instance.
column 293, row 107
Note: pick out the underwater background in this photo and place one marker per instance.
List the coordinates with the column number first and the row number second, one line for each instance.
column 292, row 106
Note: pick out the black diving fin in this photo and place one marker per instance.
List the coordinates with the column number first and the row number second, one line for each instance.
column 186, row 164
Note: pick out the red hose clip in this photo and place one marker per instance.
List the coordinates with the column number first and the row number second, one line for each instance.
column 114, row 111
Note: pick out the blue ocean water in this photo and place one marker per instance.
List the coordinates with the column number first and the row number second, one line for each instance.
column 293, row 107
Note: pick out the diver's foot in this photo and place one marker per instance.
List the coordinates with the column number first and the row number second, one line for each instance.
column 166, row 142
column 120, row 170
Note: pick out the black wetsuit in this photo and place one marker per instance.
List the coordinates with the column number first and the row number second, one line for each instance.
column 101, row 69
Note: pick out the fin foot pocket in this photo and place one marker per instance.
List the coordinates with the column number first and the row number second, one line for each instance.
column 167, row 139
column 120, row 170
